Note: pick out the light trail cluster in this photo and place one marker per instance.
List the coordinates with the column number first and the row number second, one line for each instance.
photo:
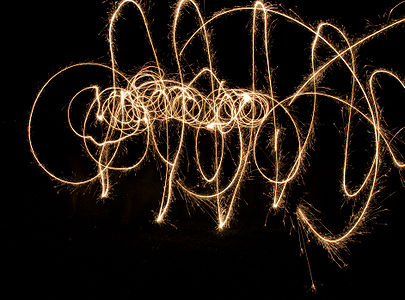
column 149, row 104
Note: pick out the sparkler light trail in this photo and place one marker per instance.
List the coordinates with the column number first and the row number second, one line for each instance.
column 172, row 114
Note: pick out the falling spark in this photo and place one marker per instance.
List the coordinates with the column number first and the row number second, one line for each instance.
column 145, row 104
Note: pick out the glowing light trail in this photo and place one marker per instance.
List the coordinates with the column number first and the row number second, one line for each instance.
column 150, row 102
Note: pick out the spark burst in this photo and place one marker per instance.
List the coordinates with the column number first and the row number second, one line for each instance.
column 150, row 105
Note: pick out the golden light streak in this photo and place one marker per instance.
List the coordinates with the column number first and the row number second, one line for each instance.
column 150, row 102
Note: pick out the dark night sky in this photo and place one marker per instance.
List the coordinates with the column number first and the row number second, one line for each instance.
column 60, row 243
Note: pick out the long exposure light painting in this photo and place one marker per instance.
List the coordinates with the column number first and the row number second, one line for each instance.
column 168, row 114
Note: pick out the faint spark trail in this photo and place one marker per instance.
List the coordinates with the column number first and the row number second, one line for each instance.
column 149, row 102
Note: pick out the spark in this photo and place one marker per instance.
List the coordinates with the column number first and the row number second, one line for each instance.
column 145, row 104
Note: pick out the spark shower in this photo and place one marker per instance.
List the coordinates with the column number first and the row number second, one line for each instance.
column 168, row 115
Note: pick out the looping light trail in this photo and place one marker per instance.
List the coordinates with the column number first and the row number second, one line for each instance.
column 149, row 102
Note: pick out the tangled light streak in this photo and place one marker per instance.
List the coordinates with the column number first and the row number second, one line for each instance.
column 150, row 103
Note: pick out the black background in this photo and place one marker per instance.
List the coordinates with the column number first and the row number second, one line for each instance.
column 61, row 243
